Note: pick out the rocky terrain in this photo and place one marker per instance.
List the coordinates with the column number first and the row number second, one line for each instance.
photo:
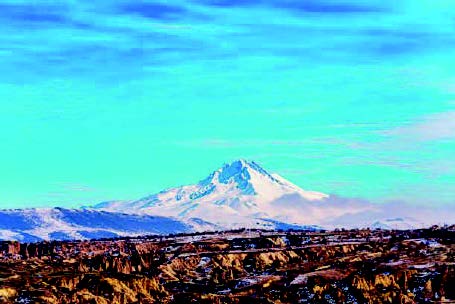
column 242, row 266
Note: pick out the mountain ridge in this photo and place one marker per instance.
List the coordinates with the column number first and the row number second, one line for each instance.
column 239, row 189
column 240, row 194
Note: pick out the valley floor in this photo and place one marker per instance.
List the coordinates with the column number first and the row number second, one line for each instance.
column 352, row 266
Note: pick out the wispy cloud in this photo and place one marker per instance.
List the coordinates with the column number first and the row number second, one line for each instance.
column 332, row 7
column 76, row 187
column 154, row 10
column 226, row 143
column 33, row 13
column 434, row 127
column 70, row 194
column 341, row 89
column 182, row 32
column 309, row 6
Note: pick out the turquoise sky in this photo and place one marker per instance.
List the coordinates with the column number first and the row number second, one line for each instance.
column 105, row 100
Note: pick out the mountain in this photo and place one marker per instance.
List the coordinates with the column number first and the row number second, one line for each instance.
column 30, row 225
column 242, row 194
column 239, row 194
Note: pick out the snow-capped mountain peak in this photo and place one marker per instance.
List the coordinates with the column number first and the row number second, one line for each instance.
column 240, row 189
column 242, row 168
column 251, row 179
column 240, row 194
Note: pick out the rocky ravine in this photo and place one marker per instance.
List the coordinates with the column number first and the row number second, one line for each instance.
column 356, row 266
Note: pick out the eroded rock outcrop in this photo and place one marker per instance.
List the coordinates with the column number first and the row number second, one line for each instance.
column 239, row 267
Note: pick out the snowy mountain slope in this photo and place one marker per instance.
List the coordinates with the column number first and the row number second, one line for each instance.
column 243, row 194
column 58, row 223
column 240, row 194
column 239, row 186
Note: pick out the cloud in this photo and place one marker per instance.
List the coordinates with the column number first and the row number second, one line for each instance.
column 434, row 127
column 27, row 13
column 319, row 68
column 395, row 212
column 243, row 143
column 69, row 194
column 337, row 211
column 331, row 7
column 77, row 187
column 308, row 6
column 154, row 10
column 64, row 190
column 149, row 35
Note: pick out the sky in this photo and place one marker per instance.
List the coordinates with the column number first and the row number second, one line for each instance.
column 103, row 100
